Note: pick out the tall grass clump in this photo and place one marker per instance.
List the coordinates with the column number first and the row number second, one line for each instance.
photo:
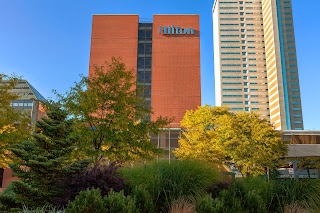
column 44, row 209
column 182, row 205
column 305, row 193
column 166, row 182
column 256, row 195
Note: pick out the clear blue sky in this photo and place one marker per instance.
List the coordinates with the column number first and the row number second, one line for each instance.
column 48, row 42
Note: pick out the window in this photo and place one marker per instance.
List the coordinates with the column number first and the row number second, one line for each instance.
column 231, row 89
column 231, row 83
column 231, row 70
column 231, row 96
column 148, row 48
column 230, row 59
column 232, row 102
column 231, row 76
column 236, row 108
column 231, row 65
column 144, row 77
column 231, row 53
column 230, row 47
column 147, row 62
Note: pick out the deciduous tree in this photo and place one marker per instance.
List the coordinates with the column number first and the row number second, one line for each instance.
column 14, row 125
column 252, row 143
column 214, row 134
column 199, row 139
column 110, row 114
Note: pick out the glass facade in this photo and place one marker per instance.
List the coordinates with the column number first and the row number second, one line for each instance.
column 144, row 64
column 167, row 140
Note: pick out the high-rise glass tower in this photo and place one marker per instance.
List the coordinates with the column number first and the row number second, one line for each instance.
column 255, row 60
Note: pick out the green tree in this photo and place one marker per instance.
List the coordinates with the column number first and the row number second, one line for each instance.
column 14, row 125
column 251, row 142
column 214, row 134
column 45, row 161
column 110, row 115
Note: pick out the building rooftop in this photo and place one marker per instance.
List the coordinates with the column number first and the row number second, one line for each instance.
column 26, row 91
column 301, row 132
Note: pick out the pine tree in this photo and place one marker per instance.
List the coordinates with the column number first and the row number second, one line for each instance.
column 45, row 162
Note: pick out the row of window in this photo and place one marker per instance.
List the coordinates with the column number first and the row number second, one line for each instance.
column 238, row 59
column 237, row 53
column 21, row 104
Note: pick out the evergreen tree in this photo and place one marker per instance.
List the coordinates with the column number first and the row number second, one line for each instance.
column 45, row 162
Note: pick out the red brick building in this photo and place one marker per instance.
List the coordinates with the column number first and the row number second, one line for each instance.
column 165, row 56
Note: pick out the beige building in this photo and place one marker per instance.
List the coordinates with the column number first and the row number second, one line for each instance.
column 255, row 60
column 29, row 100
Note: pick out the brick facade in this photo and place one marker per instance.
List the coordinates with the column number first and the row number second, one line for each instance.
column 175, row 85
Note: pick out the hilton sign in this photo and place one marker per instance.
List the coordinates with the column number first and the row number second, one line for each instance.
column 172, row 30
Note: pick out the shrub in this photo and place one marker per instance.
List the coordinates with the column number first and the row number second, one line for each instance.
column 8, row 201
column 101, row 175
column 166, row 181
column 217, row 187
column 117, row 202
column 87, row 201
column 207, row 204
